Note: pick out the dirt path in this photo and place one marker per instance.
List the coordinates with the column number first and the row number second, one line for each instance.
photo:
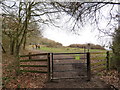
column 76, row 83
column 80, row 73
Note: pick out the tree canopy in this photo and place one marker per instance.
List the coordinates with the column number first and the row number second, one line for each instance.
column 18, row 16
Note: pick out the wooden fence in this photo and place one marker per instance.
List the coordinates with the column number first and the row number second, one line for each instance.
column 25, row 59
column 95, row 62
column 99, row 61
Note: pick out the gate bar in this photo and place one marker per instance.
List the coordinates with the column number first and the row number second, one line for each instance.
column 48, row 56
column 67, row 58
column 69, row 63
column 52, row 63
column 67, row 53
column 57, row 78
column 88, row 67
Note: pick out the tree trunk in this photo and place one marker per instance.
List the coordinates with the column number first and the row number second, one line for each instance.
column 2, row 48
column 17, row 50
column 24, row 42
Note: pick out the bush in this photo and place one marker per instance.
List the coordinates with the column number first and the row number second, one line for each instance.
column 116, row 49
column 114, row 61
column 92, row 46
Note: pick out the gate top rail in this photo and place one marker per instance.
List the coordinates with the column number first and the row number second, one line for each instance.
column 66, row 53
column 33, row 55
column 97, row 52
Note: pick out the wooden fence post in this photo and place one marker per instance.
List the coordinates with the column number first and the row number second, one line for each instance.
column 107, row 60
column 29, row 55
column 88, row 67
column 48, row 56
column 17, row 65
column 52, row 63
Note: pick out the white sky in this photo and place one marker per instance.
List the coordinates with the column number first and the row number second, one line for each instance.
column 87, row 35
column 66, row 38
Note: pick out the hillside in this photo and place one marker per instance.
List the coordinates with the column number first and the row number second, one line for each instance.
column 44, row 41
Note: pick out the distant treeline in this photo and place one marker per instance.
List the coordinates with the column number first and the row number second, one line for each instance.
column 49, row 43
column 92, row 46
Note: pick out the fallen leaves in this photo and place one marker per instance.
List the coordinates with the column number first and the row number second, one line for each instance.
column 24, row 80
column 111, row 77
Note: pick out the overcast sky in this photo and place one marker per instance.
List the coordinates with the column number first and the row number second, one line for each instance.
column 87, row 35
column 67, row 38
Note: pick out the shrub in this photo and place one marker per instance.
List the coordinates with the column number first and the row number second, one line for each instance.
column 116, row 49
column 92, row 46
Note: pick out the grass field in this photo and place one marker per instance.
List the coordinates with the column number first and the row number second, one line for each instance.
column 98, row 60
column 68, row 49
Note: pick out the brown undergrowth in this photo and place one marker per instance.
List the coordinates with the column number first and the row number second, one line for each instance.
column 24, row 80
column 111, row 77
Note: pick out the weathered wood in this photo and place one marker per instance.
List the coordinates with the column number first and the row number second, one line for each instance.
column 88, row 67
column 74, row 70
column 66, row 53
column 57, row 78
column 48, row 66
column 33, row 65
column 97, row 63
column 97, row 53
column 52, row 63
column 33, row 71
column 40, row 54
column 99, row 68
column 17, row 65
column 33, row 60
column 67, row 58
column 68, row 63
column 30, row 55
column 107, row 60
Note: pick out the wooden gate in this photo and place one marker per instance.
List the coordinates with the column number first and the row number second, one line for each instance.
column 57, row 65
column 40, row 63
column 70, row 65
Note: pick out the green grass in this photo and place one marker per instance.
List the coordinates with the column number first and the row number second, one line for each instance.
column 62, row 49
column 77, row 57
column 72, row 50
column 68, row 49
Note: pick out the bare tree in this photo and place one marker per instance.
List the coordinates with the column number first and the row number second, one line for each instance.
column 19, row 16
column 83, row 12
column 22, row 14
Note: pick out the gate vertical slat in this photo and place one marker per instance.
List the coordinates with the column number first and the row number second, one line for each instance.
column 88, row 67
column 48, row 55
column 52, row 63
column 107, row 57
